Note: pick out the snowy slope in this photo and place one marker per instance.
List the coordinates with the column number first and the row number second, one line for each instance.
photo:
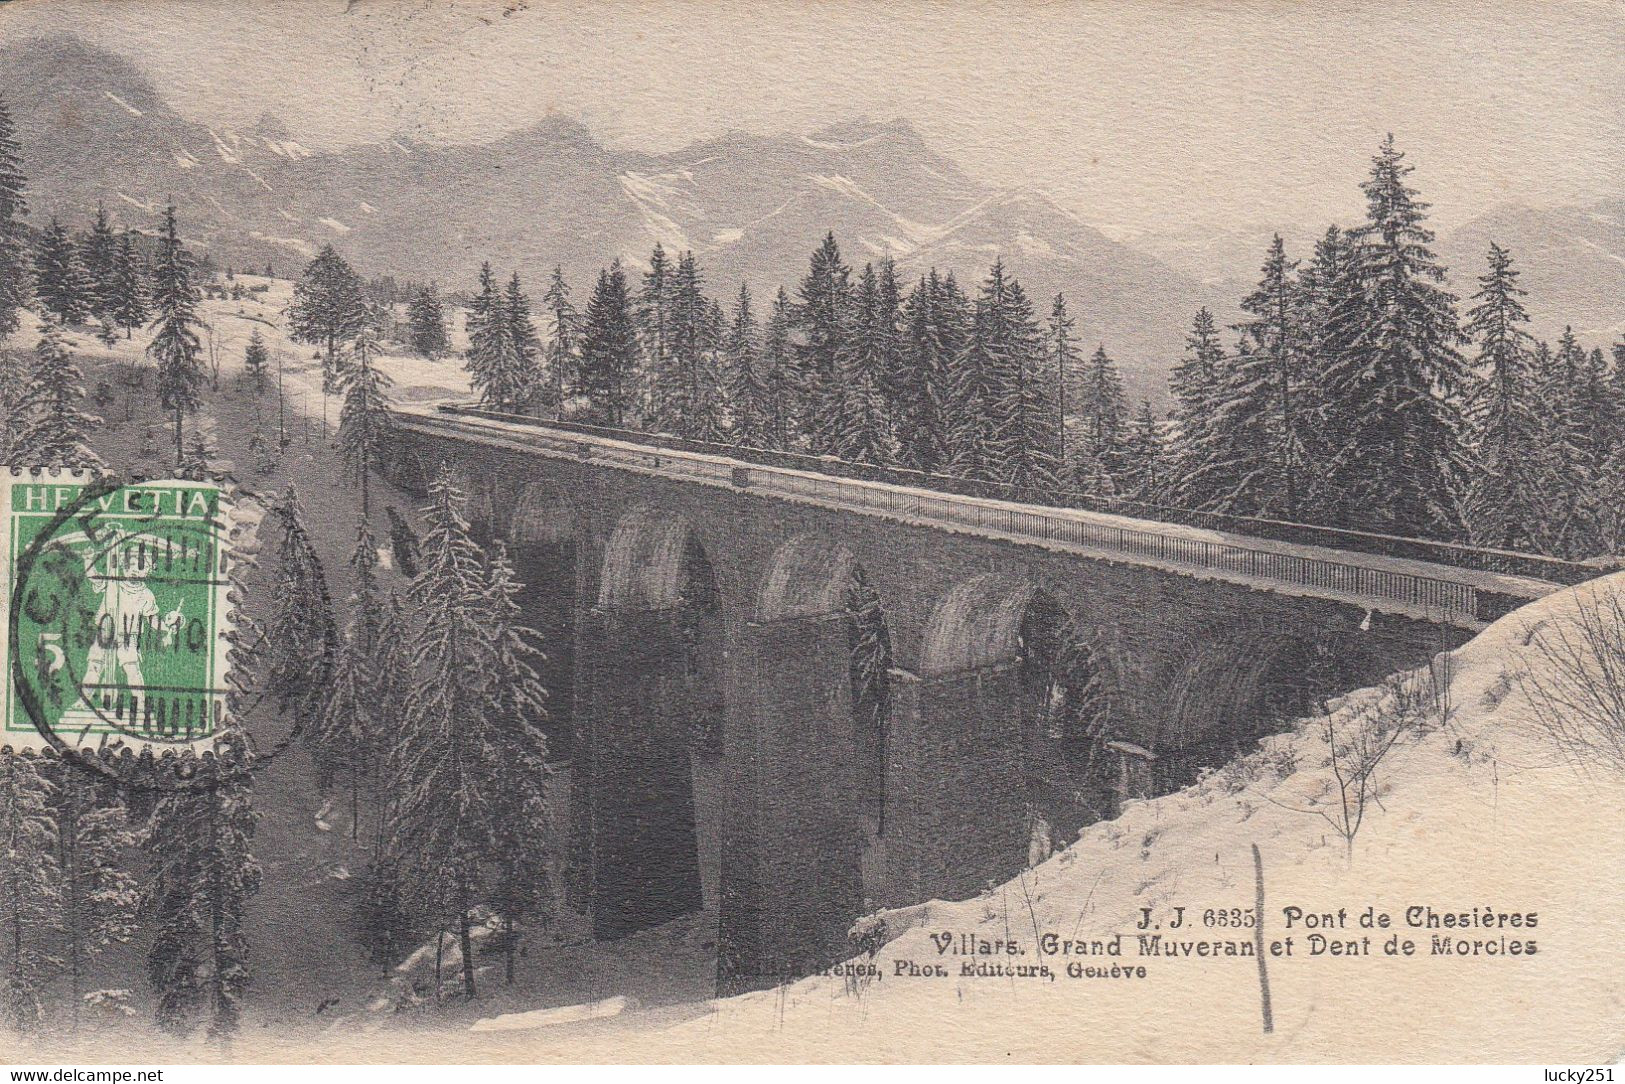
column 1482, row 812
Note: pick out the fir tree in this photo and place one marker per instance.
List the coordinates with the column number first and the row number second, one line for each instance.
column 301, row 638
column 174, row 345
column 443, row 831
column 329, row 309
column 522, row 381
column 1396, row 391
column 256, row 363
column 57, row 432
column 777, row 368
column 364, row 418
column 1505, row 492
column 609, row 351
column 921, row 421
column 129, row 286
column 561, row 341
column 99, row 897
column 1031, row 424
column 743, row 379
column 1063, row 360
column 1252, row 457
column 30, row 886
column 855, row 425
column 1103, row 412
column 981, row 382
column 653, row 314
column 426, row 323
column 98, row 255
column 203, row 872
column 59, row 276
column 1145, row 459
column 352, row 718
column 518, row 760
column 1194, row 383
column 685, row 394
column 493, row 360
column 14, row 262
column 823, row 316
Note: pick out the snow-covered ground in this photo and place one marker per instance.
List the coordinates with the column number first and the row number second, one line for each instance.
column 1482, row 812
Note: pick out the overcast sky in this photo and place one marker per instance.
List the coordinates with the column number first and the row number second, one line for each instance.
column 1136, row 115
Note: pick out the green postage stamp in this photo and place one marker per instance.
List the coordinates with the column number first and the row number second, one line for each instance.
column 117, row 608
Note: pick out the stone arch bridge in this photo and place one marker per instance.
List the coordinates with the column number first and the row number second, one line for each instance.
column 699, row 614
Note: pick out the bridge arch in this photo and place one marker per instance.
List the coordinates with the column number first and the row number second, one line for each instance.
column 1240, row 685
column 808, row 576
column 654, row 560
column 1028, row 688
column 542, row 518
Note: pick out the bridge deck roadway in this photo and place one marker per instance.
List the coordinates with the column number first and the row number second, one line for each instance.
column 1465, row 598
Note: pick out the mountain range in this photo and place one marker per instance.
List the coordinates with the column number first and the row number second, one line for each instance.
column 751, row 207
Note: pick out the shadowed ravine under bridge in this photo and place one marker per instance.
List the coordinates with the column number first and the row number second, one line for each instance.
column 715, row 624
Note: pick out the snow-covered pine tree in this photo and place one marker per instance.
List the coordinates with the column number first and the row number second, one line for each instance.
column 30, row 886
column 60, row 283
column 1061, row 350
column 443, row 831
column 257, row 364
column 522, row 380
column 99, row 897
column 855, row 426
column 202, row 873
column 922, row 398
column 492, row 358
column 329, row 308
column 824, row 315
column 129, row 286
column 517, row 758
column 56, row 432
column 350, row 729
column 1103, row 411
column 1331, row 297
column 561, row 341
column 175, row 347
column 749, row 410
column 364, row 417
column 1252, row 458
column 980, row 385
column 426, row 323
column 686, row 393
column 14, row 259
column 889, row 332
column 388, row 922
column 777, row 366
column 1032, row 425
column 1145, row 458
column 98, row 255
column 607, row 373
column 652, row 318
column 1505, row 483
column 301, row 637
column 1194, row 385
column 1395, row 393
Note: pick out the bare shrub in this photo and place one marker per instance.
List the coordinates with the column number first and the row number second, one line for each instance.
column 1574, row 680
column 1358, row 739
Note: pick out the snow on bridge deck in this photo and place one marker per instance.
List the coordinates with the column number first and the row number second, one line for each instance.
column 1423, row 590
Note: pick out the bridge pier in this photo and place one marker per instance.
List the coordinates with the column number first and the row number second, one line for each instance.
column 637, row 790
column 792, row 846
column 956, row 789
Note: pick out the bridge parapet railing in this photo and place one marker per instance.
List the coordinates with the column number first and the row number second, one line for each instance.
column 1443, row 597
column 1454, row 554
column 1446, row 598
